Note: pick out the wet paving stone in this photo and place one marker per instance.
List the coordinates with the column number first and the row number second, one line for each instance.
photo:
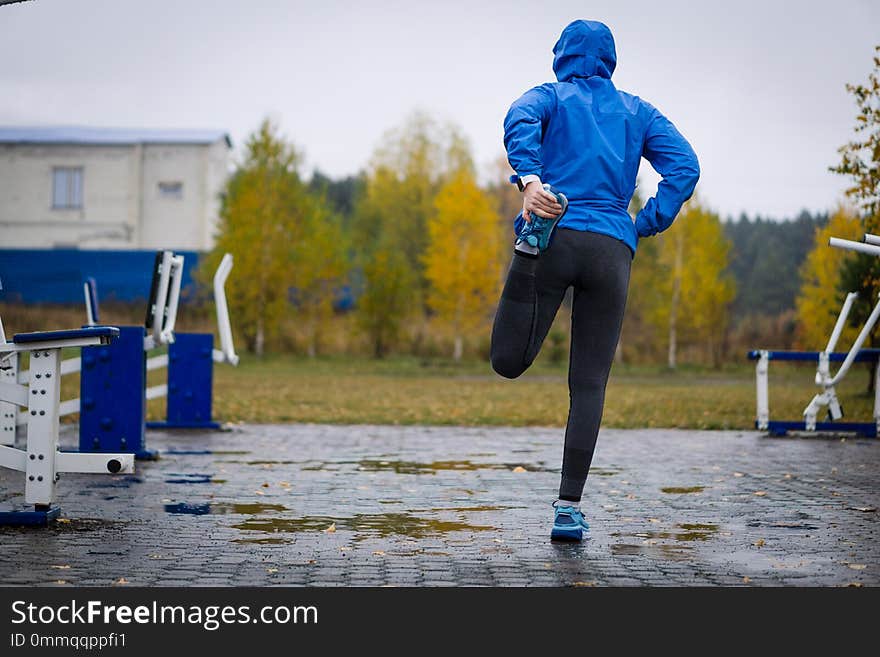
column 315, row 505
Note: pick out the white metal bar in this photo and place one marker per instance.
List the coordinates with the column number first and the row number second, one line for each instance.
column 8, row 411
column 161, row 297
column 14, row 393
column 68, row 406
column 841, row 321
column 71, row 365
column 157, row 391
column 12, row 347
column 94, row 463
column 223, row 326
column 870, row 249
column 14, row 459
column 857, row 345
column 90, row 316
column 763, row 390
column 872, row 239
column 42, row 426
column 156, row 362
column 174, row 299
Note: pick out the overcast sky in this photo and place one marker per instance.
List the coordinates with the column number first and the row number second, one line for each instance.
column 757, row 87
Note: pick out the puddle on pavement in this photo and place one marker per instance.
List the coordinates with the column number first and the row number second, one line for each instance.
column 221, row 508
column 263, row 541
column 782, row 525
column 66, row 525
column 191, row 478
column 116, row 482
column 679, row 490
column 689, row 532
column 604, row 472
column 265, row 462
column 485, row 507
column 665, row 552
column 377, row 525
column 203, row 452
column 418, row 468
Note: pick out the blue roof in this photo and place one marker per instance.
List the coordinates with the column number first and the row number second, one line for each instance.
column 87, row 135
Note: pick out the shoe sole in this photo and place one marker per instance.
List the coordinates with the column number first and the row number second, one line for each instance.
column 567, row 535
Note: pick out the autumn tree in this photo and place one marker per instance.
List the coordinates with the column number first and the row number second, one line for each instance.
column 390, row 230
column 860, row 162
column 267, row 220
column 819, row 301
column 461, row 269
column 319, row 270
column 692, row 290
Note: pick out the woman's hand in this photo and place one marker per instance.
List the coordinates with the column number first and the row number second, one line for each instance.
column 536, row 199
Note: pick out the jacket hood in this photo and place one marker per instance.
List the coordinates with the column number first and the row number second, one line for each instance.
column 585, row 49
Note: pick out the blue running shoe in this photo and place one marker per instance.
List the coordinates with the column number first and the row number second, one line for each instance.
column 539, row 231
column 569, row 524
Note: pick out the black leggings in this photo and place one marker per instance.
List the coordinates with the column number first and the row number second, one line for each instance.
column 597, row 266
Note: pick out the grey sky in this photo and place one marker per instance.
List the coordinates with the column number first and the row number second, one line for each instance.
column 757, row 87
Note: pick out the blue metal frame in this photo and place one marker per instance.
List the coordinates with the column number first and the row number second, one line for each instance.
column 190, row 383
column 864, row 355
column 29, row 517
column 780, row 428
column 113, row 399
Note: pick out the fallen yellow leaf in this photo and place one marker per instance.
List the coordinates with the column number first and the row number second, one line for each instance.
column 738, row 474
column 759, row 543
column 583, row 583
column 120, row 581
column 60, row 567
column 379, row 553
column 330, row 529
column 760, row 493
column 856, row 566
column 519, row 468
column 746, row 579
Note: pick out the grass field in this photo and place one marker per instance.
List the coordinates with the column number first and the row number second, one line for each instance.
column 408, row 391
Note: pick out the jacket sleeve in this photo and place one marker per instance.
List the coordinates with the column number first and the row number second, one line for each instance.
column 524, row 128
column 673, row 158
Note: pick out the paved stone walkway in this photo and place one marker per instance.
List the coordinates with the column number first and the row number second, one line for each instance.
column 336, row 505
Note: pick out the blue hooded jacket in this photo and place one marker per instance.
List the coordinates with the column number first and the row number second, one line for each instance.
column 586, row 138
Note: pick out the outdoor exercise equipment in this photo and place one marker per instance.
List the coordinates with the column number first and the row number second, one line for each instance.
column 827, row 397
column 41, row 461
column 113, row 377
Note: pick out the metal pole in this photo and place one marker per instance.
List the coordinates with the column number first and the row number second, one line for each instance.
column 854, row 350
column 841, row 321
column 223, row 325
column 870, row 249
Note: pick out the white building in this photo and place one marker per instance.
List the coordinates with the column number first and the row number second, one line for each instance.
column 106, row 188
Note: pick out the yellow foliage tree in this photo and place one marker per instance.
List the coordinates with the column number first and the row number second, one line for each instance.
column 693, row 288
column 319, row 270
column 280, row 239
column 460, row 266
column 390, row 227
column 819, row 300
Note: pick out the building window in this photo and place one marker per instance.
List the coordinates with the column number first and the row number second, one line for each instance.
column 171, row 189
column 67, row 188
